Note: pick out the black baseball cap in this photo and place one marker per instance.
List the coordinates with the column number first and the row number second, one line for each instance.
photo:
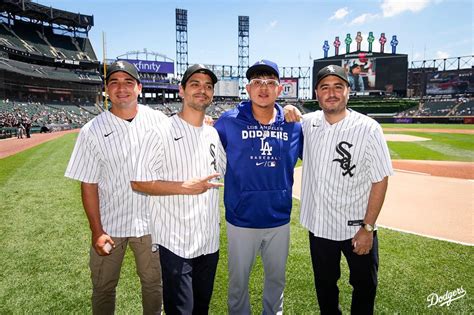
column 197, row 68
column 265, row 66
column 331, row 70
column 355, row 66
column 123, row 66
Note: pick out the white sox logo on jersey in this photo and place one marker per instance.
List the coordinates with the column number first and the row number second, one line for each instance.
column 345, row 160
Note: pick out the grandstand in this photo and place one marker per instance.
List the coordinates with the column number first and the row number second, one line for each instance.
column 441, row 107
column 372, row 106
column 45, row 55
column 436, row 108
column 50, row 117
column 49, row 72
column 464, row 108
column 421, row 110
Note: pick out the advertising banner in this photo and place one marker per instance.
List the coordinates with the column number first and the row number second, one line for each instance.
column 290, row 87
column 148, row 66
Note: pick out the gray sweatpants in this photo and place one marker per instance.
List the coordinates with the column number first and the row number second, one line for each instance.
column 243, row 246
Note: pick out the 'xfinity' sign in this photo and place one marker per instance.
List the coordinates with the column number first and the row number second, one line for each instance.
column 152, row 66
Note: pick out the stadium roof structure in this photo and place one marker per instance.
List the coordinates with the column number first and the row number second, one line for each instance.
column 444, row 64
column 146, row 53
column 52, row 73
column 35, row 11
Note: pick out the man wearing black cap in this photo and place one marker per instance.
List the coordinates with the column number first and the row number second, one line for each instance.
column 262, row 150
column 355, row 80
column 346, row 164
column 103, row 160
column 177, row 164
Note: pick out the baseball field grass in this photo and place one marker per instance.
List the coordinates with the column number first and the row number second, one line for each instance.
column 437, row 147
column 45, row 239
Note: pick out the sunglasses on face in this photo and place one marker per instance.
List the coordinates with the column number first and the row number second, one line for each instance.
column 271, row 83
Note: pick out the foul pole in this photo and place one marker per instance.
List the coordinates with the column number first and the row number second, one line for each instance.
column 106, row 106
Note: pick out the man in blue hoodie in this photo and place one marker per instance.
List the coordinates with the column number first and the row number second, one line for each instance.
column 262, row 150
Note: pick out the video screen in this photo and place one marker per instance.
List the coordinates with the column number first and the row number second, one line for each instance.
column 450, row 82
column 371, row 72
column 361, row 73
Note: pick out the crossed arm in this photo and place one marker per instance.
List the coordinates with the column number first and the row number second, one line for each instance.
column 193, row 186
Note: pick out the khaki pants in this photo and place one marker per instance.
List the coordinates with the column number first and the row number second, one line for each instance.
column 105, row 274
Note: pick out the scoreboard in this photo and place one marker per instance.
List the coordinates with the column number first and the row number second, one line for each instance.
column 380, row 72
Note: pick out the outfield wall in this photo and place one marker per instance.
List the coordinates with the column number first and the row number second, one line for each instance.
column 424, row 120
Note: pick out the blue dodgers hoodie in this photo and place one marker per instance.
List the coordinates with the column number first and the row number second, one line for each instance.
column 260, row 162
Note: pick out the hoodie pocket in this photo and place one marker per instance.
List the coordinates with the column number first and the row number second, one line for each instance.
column 264, row 207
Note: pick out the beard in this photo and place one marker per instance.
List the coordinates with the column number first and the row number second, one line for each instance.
column 199, row 106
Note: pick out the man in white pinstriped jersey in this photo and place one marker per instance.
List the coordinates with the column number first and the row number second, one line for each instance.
column 103, row 160
column 176, row 164
column 346, row 164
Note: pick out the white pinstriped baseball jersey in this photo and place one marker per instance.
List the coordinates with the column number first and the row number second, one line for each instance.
column 105, row 153
column 340, row 163
column 187, row 225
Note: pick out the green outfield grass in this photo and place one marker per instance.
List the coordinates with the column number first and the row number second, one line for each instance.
column 440, row 147
column 45, row 238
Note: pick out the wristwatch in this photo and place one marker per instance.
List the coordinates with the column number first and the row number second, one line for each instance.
column 368, row 227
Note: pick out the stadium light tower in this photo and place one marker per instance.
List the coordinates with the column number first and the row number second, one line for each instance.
column 181, row 41
column 243, row 52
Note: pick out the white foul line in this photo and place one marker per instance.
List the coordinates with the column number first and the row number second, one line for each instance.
column 426, row 235
column 411, row 172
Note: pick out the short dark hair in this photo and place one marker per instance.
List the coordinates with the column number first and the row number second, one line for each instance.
column 263, row 73
column 355, row 66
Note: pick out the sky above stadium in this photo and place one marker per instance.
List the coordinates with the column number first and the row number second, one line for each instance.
column 291, row 33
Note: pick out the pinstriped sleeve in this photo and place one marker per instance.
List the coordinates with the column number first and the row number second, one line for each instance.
column 379, row 155
column 222, row 159
column 84, row 164
column 150, row 157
